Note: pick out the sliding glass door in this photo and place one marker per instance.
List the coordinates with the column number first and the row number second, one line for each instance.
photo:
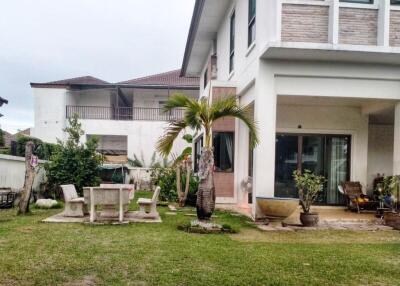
column 327, row 155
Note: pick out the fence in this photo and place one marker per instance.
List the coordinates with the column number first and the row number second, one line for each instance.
column 123, row 113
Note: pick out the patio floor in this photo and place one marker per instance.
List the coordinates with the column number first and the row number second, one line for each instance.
column 129, row 217
column 337, row 218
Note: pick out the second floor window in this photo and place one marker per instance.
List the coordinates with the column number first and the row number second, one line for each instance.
column 205, row 78
column 252, row 22
column 232, row 43
column 359, row 1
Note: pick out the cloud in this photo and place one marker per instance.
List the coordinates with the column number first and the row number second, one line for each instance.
column 46, row 40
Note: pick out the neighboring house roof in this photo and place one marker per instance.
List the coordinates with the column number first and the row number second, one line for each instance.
column 82, row 80
column 26, row 132
column 171, row 78
column 8, row 137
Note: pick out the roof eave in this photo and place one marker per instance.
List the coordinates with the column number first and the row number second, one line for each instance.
column 198, row 9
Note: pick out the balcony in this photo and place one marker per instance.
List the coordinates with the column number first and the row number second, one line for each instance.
column 123, row 113
column 334, row 30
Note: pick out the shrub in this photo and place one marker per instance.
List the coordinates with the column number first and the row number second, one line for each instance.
column 1, row 138
column 73, row 162
column 42, row 149
column 117, row 178
column 165, row 178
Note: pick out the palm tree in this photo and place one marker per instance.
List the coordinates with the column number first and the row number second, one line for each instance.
column 199, row 116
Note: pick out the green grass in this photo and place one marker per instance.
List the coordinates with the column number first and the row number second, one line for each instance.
column 35, row 253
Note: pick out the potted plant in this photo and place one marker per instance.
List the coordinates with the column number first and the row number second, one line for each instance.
column 309, row 186
column 389, row 198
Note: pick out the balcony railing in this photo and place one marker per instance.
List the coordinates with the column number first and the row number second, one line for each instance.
column 123, row 113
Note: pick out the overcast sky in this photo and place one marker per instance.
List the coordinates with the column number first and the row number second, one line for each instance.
column 115, row 40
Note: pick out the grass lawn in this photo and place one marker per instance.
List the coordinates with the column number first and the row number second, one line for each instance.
column 35, row 253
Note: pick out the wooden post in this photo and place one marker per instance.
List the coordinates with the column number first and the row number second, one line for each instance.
column 29, row 177
column 121, row 206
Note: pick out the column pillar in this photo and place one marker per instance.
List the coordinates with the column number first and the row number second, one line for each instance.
column 265, row 116
column 396, row 144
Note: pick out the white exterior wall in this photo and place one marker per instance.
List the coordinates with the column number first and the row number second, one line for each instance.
column 380, row 151
column 331, row 120
column 12, row 173
column 142, row 135
column 50, row 111
column 99, row 97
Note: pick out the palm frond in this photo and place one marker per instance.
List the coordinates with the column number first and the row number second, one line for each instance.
column 165, row 143
column 228, row 107
column 177, row 101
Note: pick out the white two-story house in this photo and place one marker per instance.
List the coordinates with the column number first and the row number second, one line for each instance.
column 323, row 78
column 127, row 117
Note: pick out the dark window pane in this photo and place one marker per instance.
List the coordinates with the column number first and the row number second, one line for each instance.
column 205, row 78
column 252, row 22
column 232, row 43
column 359, row 1
column 286, row 161
column 223, row 151
column 198, row 145
column 395, row 2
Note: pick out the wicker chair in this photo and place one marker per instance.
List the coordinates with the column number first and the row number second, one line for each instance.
column 356, row 199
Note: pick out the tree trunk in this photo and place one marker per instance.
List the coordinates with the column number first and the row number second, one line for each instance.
column 205, row 204
column 29, row 177
column 188, row 164
column 178, row 184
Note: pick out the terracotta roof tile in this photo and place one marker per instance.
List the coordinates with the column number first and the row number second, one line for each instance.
column 172, row 78
column 78, row 80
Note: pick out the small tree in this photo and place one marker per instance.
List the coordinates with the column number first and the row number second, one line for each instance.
column 309, row 186
column 74, row 162
column 183, row 164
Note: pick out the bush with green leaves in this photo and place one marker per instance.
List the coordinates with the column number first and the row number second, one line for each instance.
column 1, row 138
column 165, row 178
column 74, row 162
column 42, row 149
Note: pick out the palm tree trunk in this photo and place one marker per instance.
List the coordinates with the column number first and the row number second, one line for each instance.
column 205, row 204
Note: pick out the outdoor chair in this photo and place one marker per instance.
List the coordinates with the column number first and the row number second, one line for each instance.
column 73, row 204
column 148, row 207
column 356, row 199
column 7, row 199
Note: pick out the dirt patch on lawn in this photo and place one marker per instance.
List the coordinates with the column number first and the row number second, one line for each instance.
column 88, row 280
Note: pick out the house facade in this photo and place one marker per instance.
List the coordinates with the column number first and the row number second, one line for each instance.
column 323, row 80
column 126, row 117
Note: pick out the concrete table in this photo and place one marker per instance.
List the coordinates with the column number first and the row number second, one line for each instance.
column 112, row 200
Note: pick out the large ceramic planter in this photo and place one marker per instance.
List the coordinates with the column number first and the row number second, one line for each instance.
column 309, row 219
column 392, row 219
column 277, row 208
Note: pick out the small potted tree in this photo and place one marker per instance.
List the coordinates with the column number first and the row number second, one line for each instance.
column 309, row 186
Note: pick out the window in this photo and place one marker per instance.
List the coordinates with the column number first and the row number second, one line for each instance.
column 232, row 43
column 359, row 1
column 252, row 22
column 395, row 2
column 205, row 78
column 223, row 151
column 198, row 145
